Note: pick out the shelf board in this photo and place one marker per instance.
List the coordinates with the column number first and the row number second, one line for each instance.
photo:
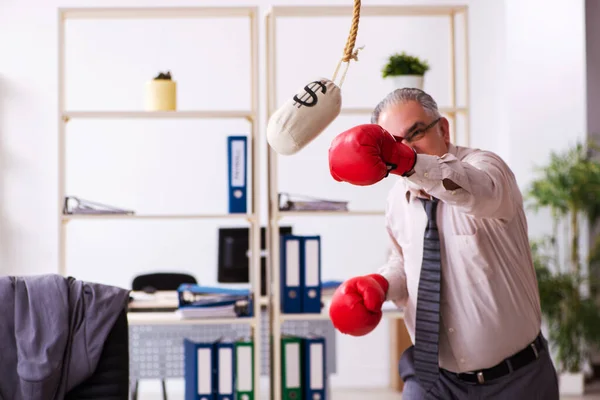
column 171, row 318
column 368, row 111
column 387, row 313
column 283, row 214
column 69, row 217
column 373, row 11
column 304, row 317
column 205, row 114
column 155, row 12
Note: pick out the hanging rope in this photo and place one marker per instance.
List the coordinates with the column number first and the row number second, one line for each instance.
column 350, row 53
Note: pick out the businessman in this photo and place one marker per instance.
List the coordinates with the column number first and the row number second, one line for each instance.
column 460, row 264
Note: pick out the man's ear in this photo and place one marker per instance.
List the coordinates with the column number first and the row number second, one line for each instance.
column 445, row 127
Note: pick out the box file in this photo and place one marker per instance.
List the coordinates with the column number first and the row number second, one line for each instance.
column 303, row 367
column 314, row 377
column 300, row 265
column 237, row 173
column 311, row 267
column 244, row 356
column 198, row 369
column 291, row 274
column 291, row 368
column 224, row 370
column 219, row 370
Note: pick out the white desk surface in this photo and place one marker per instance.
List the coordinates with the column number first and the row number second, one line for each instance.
column 172, row 318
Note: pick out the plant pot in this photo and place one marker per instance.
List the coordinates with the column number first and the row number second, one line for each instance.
column 161, row 95
column 571, row 383
column 408, row 81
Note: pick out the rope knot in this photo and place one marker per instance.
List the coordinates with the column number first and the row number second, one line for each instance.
column 354, row 55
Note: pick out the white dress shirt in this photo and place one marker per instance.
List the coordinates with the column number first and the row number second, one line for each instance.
column 490, row 307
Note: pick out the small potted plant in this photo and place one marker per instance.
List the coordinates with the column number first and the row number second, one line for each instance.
column 405, row 70
column 569, row 186
column 161, row 93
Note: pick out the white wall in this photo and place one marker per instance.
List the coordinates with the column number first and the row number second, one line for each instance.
column 546, row 104
column 526, row 97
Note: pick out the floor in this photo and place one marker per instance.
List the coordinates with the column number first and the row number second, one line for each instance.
column 370, row 394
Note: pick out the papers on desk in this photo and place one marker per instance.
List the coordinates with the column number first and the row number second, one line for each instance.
column 153, row 302
column 205, row 302
column 207, row 312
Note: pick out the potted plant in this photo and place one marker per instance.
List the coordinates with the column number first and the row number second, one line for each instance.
column 161, row 93
column 569, row 186
column 405, row 70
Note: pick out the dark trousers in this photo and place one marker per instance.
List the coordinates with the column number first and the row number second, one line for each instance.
column 535, row 381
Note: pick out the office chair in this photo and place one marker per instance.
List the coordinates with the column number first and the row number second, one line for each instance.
column 151, row 283
column 110, row 380
column 160, row 281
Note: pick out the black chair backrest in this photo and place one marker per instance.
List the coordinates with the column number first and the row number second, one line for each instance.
column 111, row 378
column 161, row 281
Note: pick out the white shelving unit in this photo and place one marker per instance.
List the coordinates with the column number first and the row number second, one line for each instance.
column 275, row 215
column 251, row 115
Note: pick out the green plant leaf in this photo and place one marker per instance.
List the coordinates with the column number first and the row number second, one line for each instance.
column 404, row 64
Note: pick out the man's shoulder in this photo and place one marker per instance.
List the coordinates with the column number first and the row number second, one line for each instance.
column 464, row 153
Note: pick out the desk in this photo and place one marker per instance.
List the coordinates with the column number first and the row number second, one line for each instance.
column 156, row 349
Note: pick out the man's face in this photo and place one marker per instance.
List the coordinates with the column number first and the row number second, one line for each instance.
column 420, row 131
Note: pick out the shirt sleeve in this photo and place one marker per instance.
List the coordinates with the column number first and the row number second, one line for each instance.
column 480, row 185
column 393, row 271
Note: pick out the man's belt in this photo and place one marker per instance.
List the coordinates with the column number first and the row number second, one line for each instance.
column 513, row 363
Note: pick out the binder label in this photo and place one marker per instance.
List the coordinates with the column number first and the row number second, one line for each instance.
column 238, row 163
column 204, row 371
column 292, row 263
column 225, row 371
column 316, row 366
column 312, row 262
column 292, row 365
column 244, row 362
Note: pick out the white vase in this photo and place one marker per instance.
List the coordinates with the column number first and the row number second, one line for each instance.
column 571, row 383
column 408, row 81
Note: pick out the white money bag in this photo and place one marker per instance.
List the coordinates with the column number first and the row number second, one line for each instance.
column 304, row 116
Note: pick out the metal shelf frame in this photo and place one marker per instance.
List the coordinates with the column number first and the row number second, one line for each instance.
column 64, row 116
column 275, row 215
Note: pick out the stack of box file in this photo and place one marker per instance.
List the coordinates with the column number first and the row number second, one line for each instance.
column 220, row 370
column 213, row 302
column 300, row 263
column 303, row 372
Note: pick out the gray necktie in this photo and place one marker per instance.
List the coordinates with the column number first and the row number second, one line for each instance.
column 428, row 304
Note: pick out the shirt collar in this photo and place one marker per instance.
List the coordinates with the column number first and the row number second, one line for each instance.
column 414, row 192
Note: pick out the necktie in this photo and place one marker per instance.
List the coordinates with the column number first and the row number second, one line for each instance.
column 428, row 303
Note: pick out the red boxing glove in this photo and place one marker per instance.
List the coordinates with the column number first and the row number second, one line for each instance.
column 366, row 154
column 356, row 305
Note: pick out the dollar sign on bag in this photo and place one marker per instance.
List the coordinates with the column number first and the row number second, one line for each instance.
column 309, row 97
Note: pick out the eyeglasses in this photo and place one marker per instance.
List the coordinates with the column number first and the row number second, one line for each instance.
column 419, row 133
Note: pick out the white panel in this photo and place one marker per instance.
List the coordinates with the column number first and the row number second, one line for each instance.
column 312, row 262
column 292, row 365
column 238, row 155
column 204, row 371
column 316, row 366
column 244, row 369
column 225, row 371
column 292, row 263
